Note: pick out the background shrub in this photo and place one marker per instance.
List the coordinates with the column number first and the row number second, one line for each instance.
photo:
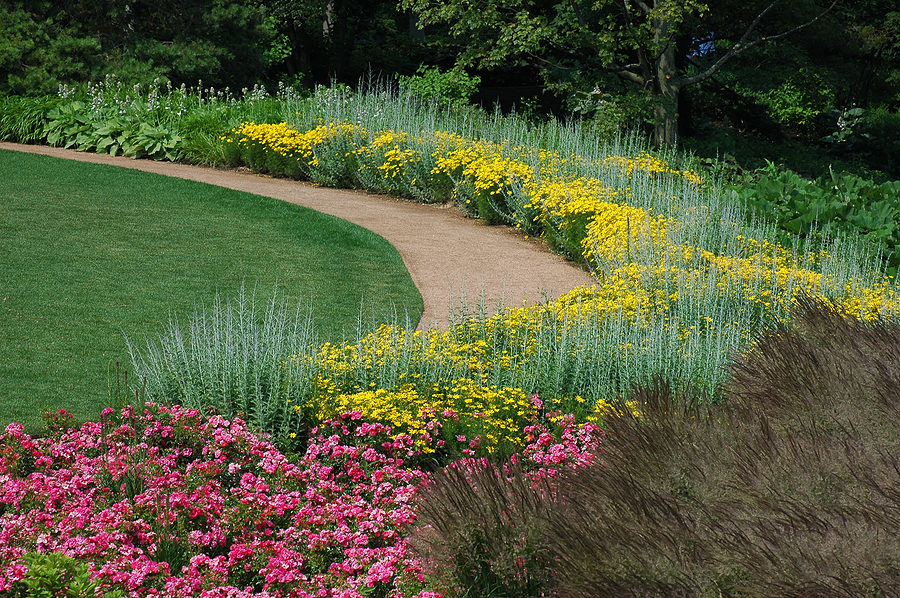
column 872, row 135
column 22, row 119
column 454, row 87
column 608, row 115
column 836, row 204
column 800, row 101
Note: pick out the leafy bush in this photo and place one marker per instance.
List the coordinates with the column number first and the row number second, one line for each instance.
column 837, row 204
column 609, row 115
column 75, row 125
column 452, row 88
column 57, row 575
column 22, row 119
column 155, row 121
column 800, row 101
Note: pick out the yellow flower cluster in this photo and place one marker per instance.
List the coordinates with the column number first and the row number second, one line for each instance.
column 583, row 209
column 633, row 256
column 289, row 142
column 569, row 199
column 644, row 162
column 561, row 199
column 388, row 153
column 461, row 349
column 405, row 378
column 495, row 415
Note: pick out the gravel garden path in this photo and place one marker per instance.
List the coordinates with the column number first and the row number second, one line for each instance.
column 451, row 258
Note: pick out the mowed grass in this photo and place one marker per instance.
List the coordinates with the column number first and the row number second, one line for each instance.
column 91, row 252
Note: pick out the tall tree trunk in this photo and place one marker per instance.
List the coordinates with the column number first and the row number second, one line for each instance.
column 665, row 131
column 328, row 20
column 666, row 87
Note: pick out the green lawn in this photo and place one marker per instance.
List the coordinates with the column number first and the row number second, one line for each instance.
column 89, row 252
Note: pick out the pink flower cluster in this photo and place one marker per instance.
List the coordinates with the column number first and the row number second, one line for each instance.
column 565, row 443
column 174, row 503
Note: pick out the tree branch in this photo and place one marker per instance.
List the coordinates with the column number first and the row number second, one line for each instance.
column 769, row 38
column 633, row 77
column 626, row 74
column 549, row 63
column 643, row 6
column 742, row 43
column 735, row 49
column 622, row 71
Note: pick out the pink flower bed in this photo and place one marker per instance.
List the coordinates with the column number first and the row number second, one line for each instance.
column 175, row 503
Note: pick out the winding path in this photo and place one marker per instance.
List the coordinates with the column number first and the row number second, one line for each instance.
column 451, row 258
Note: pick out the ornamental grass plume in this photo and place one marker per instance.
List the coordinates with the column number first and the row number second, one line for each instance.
column 792, row 488
column 480, row 528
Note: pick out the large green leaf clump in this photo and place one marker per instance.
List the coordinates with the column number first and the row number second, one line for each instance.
column 833, row 205
column 73, row 125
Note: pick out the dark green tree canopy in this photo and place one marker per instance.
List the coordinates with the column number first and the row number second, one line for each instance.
column 234, row 43
column 654, row 62
column 48, row 43
column 580, row 43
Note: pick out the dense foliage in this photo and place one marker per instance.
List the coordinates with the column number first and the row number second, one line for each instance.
column 645, row 59
column 51, row 43
column 831, row 205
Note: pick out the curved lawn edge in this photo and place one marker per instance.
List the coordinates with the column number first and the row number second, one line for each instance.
column 92, row 252
column 451, row 258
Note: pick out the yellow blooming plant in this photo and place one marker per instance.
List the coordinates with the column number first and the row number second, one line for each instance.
column 661, row 295
column 652, row 165
column 392, row 353
column 281, row 149
column 493, row 180
column 586, row 216
column 491, row 416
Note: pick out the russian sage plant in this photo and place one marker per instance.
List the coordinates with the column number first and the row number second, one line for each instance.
column 237, row 357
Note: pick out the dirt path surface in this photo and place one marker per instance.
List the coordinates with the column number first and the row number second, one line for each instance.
column 449, row 256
